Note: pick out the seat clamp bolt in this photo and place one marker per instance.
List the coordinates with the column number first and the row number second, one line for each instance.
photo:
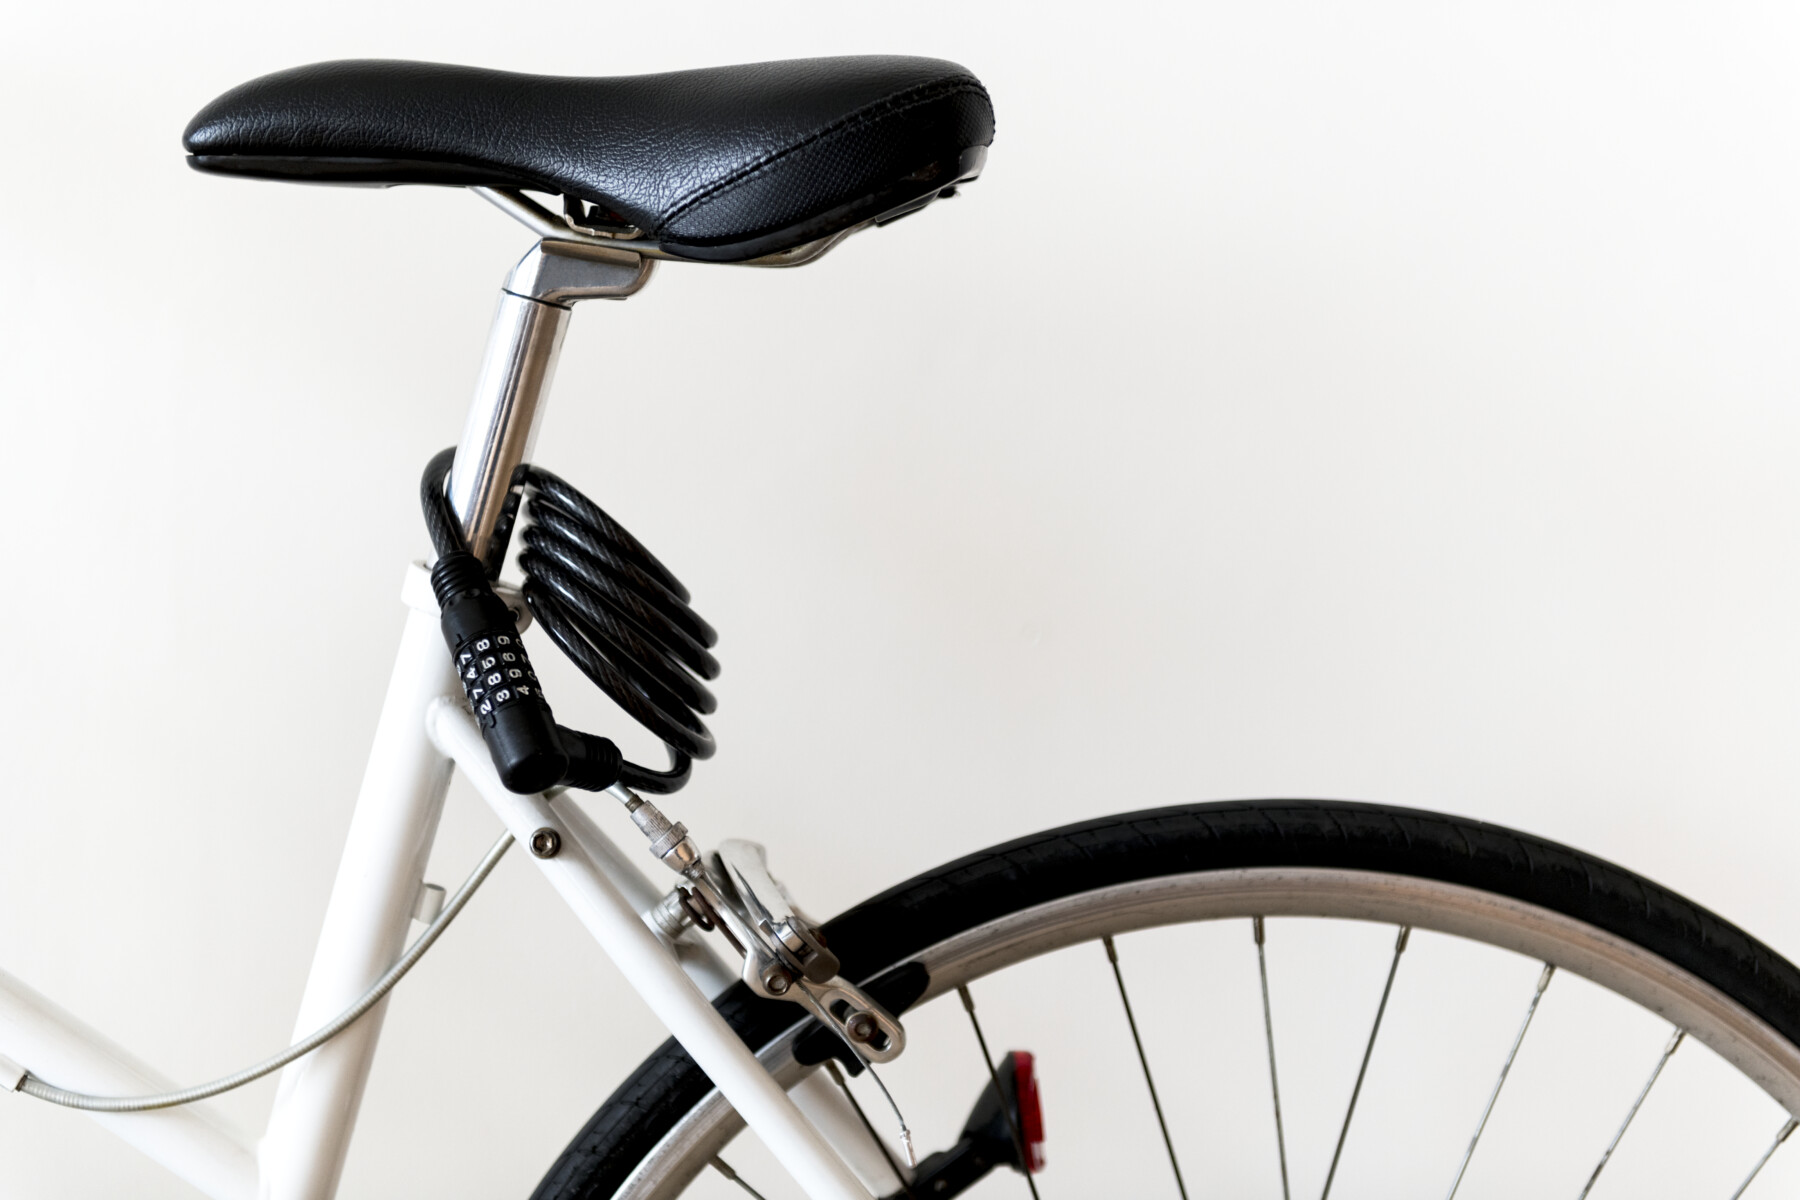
column 545, row 843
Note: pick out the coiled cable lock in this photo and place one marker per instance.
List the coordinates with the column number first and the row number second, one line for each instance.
column 608, row 604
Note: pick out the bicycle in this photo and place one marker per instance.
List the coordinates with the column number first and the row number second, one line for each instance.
column 856, row 144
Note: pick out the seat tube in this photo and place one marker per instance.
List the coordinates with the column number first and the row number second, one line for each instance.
column 404, row 784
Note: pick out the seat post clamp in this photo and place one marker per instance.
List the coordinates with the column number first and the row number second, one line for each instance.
column 561, row 273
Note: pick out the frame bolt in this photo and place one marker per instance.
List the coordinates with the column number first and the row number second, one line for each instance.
column 546, row 842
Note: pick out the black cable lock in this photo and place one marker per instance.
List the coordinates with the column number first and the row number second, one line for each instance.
column 617, row 612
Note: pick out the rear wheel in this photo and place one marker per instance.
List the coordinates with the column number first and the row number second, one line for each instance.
column 1232, row 1029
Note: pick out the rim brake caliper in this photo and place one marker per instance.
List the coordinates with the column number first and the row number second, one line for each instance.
column 785, row 955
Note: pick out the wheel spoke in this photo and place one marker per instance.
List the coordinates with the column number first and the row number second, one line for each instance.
column 837, row 1077
column 1674, row 1045
column 1012, row 1124
column 1764, row 1160
column 1112, row 956
column 1530, row 1011
column 1380, row 1011
column 724, row 1168
column 1262, row 970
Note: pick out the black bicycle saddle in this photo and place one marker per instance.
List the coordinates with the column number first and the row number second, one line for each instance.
column 720, row 164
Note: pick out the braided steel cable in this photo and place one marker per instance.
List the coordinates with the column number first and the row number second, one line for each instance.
column 618, row 613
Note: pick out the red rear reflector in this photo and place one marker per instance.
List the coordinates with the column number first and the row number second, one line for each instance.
column 1031, row 1113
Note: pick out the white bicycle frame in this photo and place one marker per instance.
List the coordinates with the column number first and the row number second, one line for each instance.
column 424, row 734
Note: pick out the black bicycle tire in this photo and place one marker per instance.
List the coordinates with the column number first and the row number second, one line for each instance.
column 1142, row 846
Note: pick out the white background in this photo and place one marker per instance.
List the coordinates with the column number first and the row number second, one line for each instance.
column 1380, row 401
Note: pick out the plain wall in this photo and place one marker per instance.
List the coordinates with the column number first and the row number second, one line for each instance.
column 1386, row 401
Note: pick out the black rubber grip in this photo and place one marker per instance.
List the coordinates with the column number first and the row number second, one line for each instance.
column 496, row 676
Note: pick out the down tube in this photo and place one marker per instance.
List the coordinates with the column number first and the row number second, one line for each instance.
column 366, row 922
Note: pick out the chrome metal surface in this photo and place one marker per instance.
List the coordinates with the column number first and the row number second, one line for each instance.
column 519, row 364
column 618, row 233
column 843, row 1006
column 534, row 216
column 1712, row 1018
column 799, row 256
column 669, row 840
column 770, row 911
column 784, row 957
column 502, row 424
column 546, row 224
column 560, row 271
column 1655, row 1074
column 698, row 959
column 1505, row 1069
column 672, row 916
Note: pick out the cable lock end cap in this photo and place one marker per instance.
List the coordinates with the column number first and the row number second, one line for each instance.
column 595, row 764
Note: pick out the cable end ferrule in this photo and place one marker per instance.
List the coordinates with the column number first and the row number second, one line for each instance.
column 669, row 840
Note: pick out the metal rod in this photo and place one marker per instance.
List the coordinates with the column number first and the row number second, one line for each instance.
column 1368, row 1051
column 1674, row 1045
column 837, row 1077
column 515, row 378
column 724, row 1168
column 1012, row 1123
column 1530, row 1011
column 1764, row 1160
column 1112, row 956
column 1262, row 970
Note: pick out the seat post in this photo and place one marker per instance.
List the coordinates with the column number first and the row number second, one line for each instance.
column 516, row 369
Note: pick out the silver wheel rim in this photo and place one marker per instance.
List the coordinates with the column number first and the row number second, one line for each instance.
column 1730, row 1030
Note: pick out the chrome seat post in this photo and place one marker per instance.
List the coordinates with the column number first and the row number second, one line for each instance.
column 516, row 370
